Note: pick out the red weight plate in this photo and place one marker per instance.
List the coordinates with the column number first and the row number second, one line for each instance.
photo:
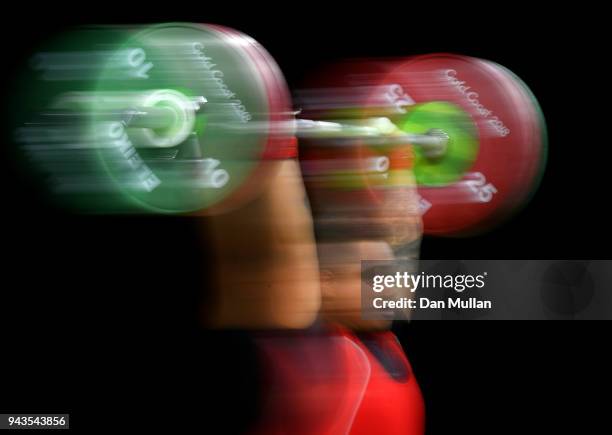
column 281, row 143
column 537, row 127
column 510, row 129
column 363, row 204
column 347, row 89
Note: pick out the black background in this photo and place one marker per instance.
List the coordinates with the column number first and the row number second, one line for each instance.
column 92, row 325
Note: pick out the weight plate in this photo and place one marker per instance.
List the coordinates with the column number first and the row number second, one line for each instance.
column 510, row 131
column 214, row 73
column 171, row 118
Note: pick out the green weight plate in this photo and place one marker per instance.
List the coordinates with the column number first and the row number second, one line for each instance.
column 194, row 143
column 165, row 118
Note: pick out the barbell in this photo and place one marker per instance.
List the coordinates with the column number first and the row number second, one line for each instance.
column 176, row 118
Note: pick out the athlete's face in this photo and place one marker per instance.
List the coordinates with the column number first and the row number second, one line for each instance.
column 380, row 221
